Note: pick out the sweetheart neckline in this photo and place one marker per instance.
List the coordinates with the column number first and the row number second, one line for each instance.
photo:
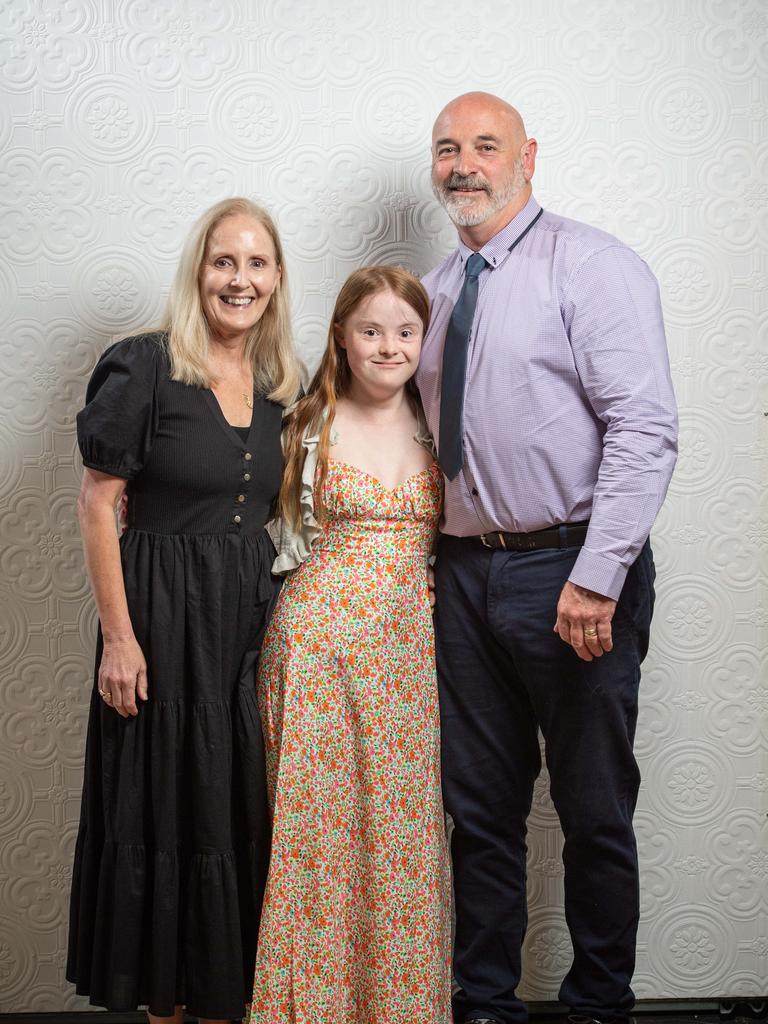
column 389, row 490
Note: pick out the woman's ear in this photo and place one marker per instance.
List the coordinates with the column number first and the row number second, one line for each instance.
column 338, row 335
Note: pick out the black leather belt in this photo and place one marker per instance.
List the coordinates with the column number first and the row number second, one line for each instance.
column 569, row 535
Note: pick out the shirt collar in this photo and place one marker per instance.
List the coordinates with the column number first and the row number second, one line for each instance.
column 496, row 249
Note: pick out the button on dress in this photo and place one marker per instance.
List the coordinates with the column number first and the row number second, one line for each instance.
column 173, row 844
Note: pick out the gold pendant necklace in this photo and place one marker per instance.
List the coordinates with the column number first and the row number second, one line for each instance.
column 248, row 400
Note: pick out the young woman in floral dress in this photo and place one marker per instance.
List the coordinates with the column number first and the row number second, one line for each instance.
column 355, row 926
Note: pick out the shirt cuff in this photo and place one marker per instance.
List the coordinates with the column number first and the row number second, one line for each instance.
column 596, row 572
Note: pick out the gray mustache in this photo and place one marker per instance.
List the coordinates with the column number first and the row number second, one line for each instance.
column 470, row 181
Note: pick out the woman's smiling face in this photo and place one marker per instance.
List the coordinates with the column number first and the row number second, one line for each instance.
column 238, row 275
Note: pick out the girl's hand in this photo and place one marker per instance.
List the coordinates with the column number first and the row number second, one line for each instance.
column 122, row 513
column 123, row 676
column 431, row 586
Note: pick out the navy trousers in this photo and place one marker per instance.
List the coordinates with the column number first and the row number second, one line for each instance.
column 504, row 674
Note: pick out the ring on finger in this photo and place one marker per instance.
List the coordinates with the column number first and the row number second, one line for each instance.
column 105, row 695
column 590, row 633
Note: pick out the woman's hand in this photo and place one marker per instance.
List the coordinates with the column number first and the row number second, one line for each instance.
column 123, row 676
column 431, row 586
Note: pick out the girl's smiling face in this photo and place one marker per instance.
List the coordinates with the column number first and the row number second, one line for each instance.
column 382, row 339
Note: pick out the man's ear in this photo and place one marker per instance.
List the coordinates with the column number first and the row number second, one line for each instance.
column 528, row 157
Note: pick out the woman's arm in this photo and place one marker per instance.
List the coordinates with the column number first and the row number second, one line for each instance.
column 123, row 670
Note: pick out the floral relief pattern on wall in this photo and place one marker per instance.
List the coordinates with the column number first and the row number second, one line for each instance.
column 120, row 122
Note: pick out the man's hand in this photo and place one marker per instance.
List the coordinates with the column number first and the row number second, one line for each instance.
column 584, row 621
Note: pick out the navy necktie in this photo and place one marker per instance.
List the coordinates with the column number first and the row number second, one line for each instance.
column 451, row 453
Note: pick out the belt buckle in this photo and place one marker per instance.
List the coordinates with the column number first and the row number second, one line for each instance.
column 492, row 547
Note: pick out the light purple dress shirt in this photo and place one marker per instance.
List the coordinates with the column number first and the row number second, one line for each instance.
column 569, row 412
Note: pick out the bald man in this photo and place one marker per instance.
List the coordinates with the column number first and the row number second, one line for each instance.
column 545, row 380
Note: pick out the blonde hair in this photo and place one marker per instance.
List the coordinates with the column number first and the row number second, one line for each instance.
column 332, row 379
column 269, row 346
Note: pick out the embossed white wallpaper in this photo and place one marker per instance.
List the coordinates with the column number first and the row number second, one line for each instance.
column 121, row 120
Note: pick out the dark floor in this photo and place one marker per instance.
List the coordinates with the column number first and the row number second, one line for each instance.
column 688, row 1011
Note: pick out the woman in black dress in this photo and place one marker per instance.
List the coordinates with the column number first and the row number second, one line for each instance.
column 174, row 836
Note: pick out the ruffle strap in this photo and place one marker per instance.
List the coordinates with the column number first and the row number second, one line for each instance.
column 294, row 545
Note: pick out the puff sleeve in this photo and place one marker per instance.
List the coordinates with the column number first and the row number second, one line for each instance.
column 116, row 428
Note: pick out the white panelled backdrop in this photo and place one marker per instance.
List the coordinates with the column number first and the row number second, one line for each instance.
column 122, row 119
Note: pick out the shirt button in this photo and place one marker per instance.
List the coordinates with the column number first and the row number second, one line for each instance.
column 246, row 476
column 474, row 490
column 241, row 498
column 247, row 456
column 237, row 519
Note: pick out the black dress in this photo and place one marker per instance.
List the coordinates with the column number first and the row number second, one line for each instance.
column 173, row 846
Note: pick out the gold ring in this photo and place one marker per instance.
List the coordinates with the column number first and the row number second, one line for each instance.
column 105, row 695
column 590, row 632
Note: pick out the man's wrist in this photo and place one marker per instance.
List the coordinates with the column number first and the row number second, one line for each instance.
column 601, row 575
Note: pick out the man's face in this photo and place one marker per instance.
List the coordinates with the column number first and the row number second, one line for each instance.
column 478, row 167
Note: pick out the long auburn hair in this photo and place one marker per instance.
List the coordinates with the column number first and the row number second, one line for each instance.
column 269, row 346
column 332, row 381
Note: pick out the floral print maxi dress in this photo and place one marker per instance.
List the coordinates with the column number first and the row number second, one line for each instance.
column 355, row 926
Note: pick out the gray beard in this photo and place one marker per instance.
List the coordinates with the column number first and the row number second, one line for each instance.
column 464, row 213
